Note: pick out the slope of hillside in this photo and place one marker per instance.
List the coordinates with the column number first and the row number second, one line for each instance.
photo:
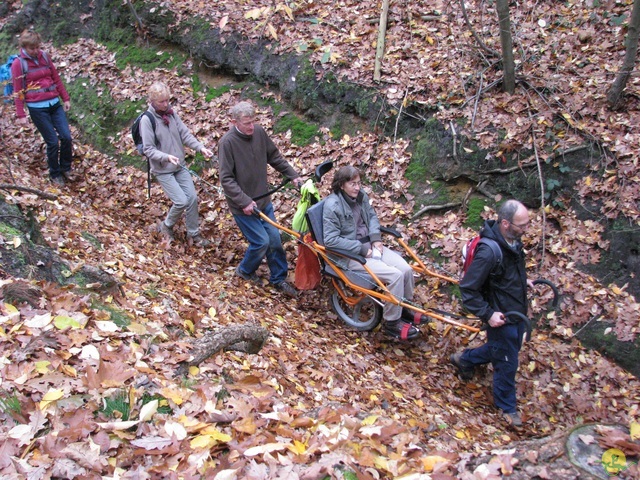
column 318, row 398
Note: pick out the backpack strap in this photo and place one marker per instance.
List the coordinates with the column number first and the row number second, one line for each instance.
column 25, row 68
column 495, row 249
column 151, row 118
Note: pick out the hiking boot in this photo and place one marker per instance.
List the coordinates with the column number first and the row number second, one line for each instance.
column 166, row 232
column 249, row 277
column 198, row 241
column 58, row 181
column 465, row 370
column 68, row 176
column 287, row 289
column 513, row 419
column 414, row 317
column 400, row 329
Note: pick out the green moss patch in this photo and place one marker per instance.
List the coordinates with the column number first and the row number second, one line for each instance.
column 92, row 239
column 116, row 406
column 475, row 209
column 97, row 114
column 119, row 317
column 302, row 133
column 146, row 58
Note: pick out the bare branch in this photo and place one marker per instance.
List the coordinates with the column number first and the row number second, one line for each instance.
column 382, row 31
column 429, row 208
column 481, row 44
column 40, row 193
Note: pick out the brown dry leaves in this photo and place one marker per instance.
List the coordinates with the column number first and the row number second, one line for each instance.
column 317, row 396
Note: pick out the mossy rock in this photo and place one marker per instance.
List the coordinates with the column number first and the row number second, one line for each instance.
column 30, row 257
column 625, row 354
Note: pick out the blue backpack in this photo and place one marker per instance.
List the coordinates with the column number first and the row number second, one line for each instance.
column 5, row 78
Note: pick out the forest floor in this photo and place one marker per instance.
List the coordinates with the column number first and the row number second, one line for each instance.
column 318, row 395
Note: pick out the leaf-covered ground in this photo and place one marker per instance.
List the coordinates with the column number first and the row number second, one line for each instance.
column 318, row 396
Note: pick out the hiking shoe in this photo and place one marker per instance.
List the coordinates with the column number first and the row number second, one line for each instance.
column 69, row 177
column 249, row 277
column 198, row 241
column 414, row 317
column 166, row 232
column 465, row 370
column 287, row 289
column 58, row 181
column 400, row 329
column 513, row 419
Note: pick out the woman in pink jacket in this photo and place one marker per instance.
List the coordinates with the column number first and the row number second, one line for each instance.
column 37, row 84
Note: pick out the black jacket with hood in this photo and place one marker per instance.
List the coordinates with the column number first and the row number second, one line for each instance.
column 485, row 291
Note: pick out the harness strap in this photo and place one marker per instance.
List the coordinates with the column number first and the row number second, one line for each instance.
column 50, row 88
column 404, row 331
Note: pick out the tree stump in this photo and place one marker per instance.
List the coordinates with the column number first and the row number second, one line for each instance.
column 575, row 454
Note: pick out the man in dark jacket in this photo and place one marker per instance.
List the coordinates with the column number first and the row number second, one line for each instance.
column 244, row 153
column 489, row 291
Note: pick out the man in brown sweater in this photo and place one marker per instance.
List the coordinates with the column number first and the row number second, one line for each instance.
column 244, row 153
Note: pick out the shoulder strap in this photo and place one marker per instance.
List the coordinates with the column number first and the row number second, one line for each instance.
column 152, row 119
column 25, row 69
column 495, row 249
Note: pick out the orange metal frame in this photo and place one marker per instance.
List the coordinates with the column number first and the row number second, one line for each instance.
column 383, row 294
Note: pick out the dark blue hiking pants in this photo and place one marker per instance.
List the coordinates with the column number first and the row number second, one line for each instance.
column 52, row 124
column 501, row 350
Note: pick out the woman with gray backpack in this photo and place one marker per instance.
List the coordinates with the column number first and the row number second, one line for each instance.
column 164, row 136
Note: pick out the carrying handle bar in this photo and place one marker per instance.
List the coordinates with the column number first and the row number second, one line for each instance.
column 319, row 171
column 509, row 321
column 550, row 284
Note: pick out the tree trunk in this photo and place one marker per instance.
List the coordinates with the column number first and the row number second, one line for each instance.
column 382, row 31
column 509, row 81
column 615, row 92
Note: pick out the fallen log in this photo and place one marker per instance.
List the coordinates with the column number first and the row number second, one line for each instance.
column 248, row 338
column 40, row 193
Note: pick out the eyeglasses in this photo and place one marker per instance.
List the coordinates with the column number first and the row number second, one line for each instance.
column 354, row 184
column 521, row 226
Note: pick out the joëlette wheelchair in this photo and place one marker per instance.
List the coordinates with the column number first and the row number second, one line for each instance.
column 358, row 297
